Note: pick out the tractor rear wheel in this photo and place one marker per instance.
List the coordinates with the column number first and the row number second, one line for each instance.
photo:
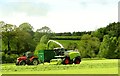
column 77, row 61
column 35, row 62
column 22, row 63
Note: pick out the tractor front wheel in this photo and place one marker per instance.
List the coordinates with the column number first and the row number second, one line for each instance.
column 22, row 63
column 17, row 63
column 66, row 61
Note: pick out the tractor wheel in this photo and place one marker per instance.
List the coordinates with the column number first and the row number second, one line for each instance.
column 22, row 63
column 35, row 62
column 17, row 63
column 77, row 61
column 66, row 61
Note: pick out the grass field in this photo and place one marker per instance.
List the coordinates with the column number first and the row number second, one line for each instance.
column 109, row 66
column 65, row 43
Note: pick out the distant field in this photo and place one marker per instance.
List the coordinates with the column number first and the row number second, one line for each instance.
column 66, row 38
column 109, row 66
column 65, row 43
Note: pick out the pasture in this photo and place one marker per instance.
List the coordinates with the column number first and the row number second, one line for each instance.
column 104, row 66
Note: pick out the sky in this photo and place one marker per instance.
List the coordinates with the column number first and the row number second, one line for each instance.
column 60, row 15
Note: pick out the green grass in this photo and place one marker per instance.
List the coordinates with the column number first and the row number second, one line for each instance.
column 86, row 67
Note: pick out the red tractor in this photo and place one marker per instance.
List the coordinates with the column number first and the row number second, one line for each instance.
column 28, row 59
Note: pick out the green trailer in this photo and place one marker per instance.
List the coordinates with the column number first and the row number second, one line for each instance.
column 45, row 55
column 59, row 56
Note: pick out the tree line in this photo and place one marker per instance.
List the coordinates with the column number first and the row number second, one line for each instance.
column 103, row 42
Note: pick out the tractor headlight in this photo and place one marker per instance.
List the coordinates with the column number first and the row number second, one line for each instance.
column 18, row 59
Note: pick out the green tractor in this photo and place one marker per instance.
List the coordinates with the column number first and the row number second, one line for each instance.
column 66, row 56
column 59, row 55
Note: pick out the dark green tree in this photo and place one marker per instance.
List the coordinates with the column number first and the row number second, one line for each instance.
column 108, row 47
column 8, row 35
column 44, row 29
column 27, row 28
column 99, row 33
column 89, row 46
column 113, row 29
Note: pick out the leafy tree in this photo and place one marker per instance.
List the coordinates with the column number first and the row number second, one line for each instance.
column 41, row 32
column 104, row 47
column 113, row 29
column 117, row 51
column 108, row 47
column 72, row 46
column 23, row 41
column 1, row 25
column 44, row 29
column 99, row 33
column 27, row 28
column 17, row 39
column 89, row 46
column 37, row 36
column 8, row 35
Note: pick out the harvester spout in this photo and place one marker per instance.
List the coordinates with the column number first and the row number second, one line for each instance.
column 55, row 42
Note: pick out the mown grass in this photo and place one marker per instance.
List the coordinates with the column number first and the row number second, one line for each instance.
column 86, row 67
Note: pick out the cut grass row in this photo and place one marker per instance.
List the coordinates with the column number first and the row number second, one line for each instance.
column 86, row 67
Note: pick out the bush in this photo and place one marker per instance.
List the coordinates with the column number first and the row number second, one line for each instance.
column 2, row 54
column 9, row 58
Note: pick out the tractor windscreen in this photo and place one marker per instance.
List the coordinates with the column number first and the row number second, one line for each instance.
column 29, row 54
column 59, row 51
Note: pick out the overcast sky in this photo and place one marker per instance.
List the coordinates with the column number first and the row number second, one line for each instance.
column 60, row 15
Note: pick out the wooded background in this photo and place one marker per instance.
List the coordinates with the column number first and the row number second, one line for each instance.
column 101, row 43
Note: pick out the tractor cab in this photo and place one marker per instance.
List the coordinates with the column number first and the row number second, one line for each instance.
column 59, row 51
column 29, row 54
